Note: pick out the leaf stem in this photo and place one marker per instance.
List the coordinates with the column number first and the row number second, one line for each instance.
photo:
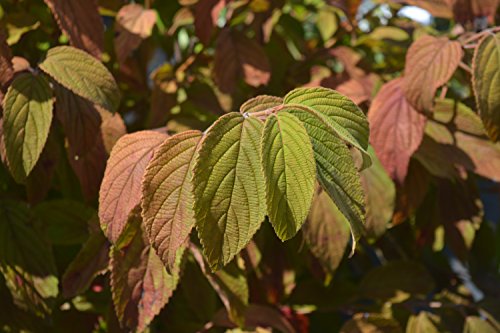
column 465, row 67
column 479, row 35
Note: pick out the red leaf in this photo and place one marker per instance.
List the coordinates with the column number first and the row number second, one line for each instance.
column 359, row 89
column 80, row 20
column 206, row 13
column 133, row 25
column 121, row 187
column 6, row 69
column 238, row 56
column 430, row 63
column 396, row 129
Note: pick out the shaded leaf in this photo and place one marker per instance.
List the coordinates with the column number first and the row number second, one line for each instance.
column 167, row 196
column 430, row 63
column 112, row 129
column 206, row 14
column 231, row 286
column 371, row 323
column 345, row 117
column 327, row 232
column 133, row 25
column 65, row 221
column 360, row 89
column 228, row 185
column 237, row 56
column 121, row 186
column 26, row 122
column 80, row 20
column 380, row 197
column 396, row 129
column 6, row 69
column 77, row 71
column 396, row 281
column 91, row 261
column 140, row 285
column 289, row 171
column 26, row 261
column 486, row 82
column 424, row 322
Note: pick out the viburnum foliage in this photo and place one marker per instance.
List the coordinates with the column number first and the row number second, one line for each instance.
column 249, row 166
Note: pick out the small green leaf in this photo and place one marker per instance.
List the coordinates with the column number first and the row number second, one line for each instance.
column 290, row 173
column 486, row 83
column 228, row 186
column 345, row 117
column 335, row 167
column 260, row 103
column 26, row 122
column 81, row 73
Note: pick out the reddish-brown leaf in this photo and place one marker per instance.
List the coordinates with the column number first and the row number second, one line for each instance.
column 121, row 186
column 112, row 128
column 359, row 89
column 396, row 129
column 80, row 20
column 82, row 125
column 6, row 69
column 206, row 13
column 140, row 285
column 166, row 196
column 430, row 63
column 238, row 56
column 133, row 25
column 350, row 7
column 349, row 58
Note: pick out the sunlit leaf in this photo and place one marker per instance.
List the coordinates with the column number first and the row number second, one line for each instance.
column 26, row 122
column 121, row 186
column 474, row 324
column 371, row 323
column 77, row 71
column 396, row 129
column 167, row 196
column 486, row 83
column 430, row 63
column 260, row 103
column 229, row 187
column 424, row 322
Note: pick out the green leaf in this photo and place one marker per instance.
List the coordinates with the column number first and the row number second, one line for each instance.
column 26, row 261
column 81, row 73
column 288, row 164
column 140, row 284
column 474, row 324
column 424, row 322
column 167, row 196
column 345, row 117
column 26, row 122
column 231, row 285
column 228, row 187
column 65, row 221
column 335, row 167
column 371, row 323
column 327, row 232
column 260, row 103
column 486, row 83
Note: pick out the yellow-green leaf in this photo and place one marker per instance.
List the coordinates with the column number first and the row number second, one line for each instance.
column 228, row 187
column 81, row 73
column 290, row 173
column 167, row 196
column 486, row 83
column 26, row 122
column 345, row 117
column 260, row 103
column 335, row 167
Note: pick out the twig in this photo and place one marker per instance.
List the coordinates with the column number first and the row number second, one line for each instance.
column 465, row 67
column 479, row 35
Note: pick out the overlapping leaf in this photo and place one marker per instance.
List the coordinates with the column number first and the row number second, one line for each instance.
column 80, row 20
column 26, row 122
column 6, row 69
column 206, row 14
column 335, row 168
column 396, row 129
column 77, row 71
column 430, row 63
column 26, row 260
column 371, row 322
column 167, row 196
column 345, row 117
column 289, row 171
column 228, row 186
column 133, row 25
column 237, row 56
column 327, row 232
column 486, row 83
column 121, row 186
column 424, row 322
column 140, row 284
column 260, row 103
